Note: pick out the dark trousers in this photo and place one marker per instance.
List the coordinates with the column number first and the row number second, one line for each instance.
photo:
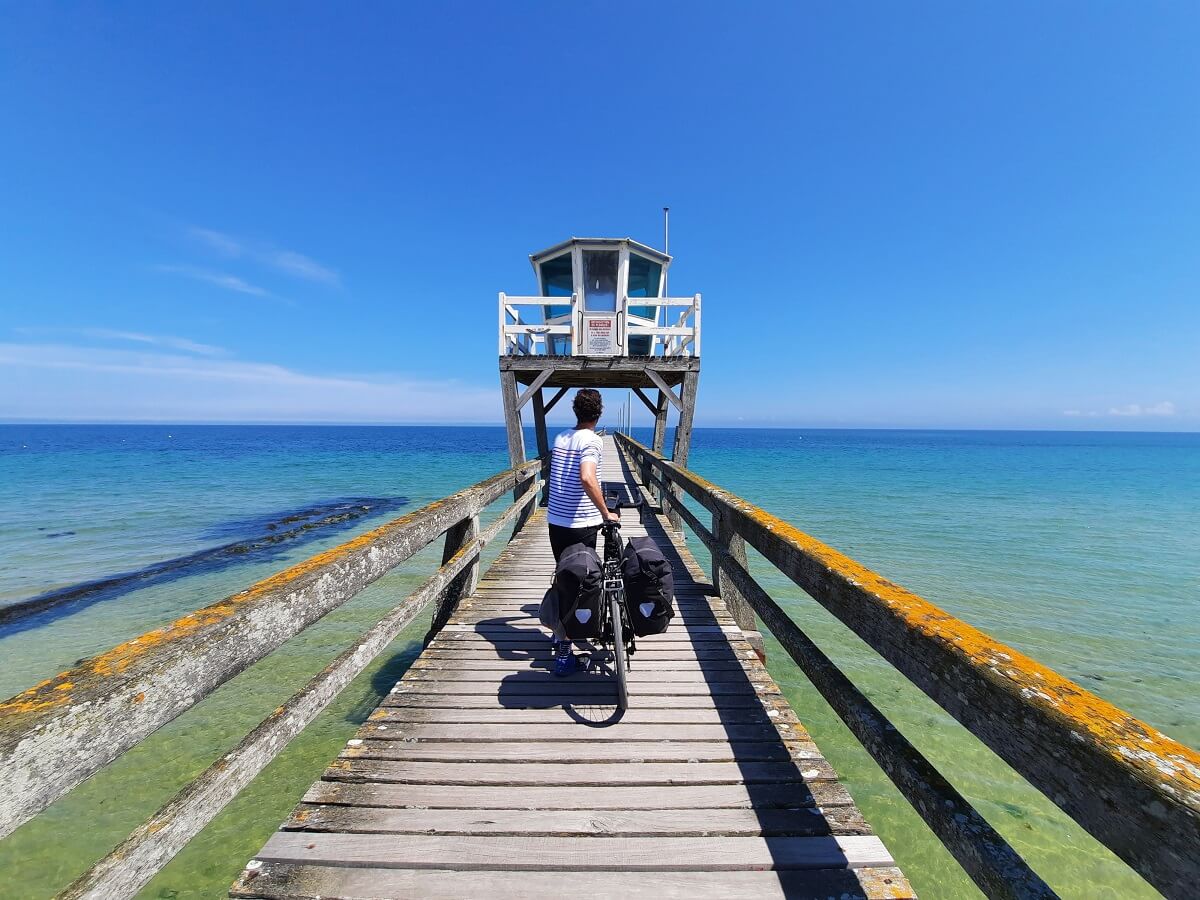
column 561, row 538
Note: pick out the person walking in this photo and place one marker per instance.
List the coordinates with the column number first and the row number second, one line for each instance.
column 576, row 501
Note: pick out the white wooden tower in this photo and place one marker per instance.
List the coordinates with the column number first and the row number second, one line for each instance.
column 600, row 319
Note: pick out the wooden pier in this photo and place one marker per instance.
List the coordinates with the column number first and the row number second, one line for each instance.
column 483, row 769
column 483, row 775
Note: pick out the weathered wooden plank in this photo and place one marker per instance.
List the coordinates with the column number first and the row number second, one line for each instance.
column 629, row 750
column 691, row 632
column 434, row 667
column 570, row 774
column 569, row 732
column 575, row 854
column 789, row 795
column 285, row 881
column 494, row 677
column 542, row 650
column 600, row 685
column 528, row 637
column 583, row 703
column 60, row 732
column 807, row 822
column 599, row 727
column 1085, row 754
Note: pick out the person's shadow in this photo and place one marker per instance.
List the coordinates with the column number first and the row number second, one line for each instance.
column 588, row 697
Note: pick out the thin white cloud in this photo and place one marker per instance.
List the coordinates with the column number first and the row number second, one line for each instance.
column 220, row 279
column 1165, row 408
column 45, row 381
column 158, row 340
column 289, row 262
column 222, row 243
column 300, row 266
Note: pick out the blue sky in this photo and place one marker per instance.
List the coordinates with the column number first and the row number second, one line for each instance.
column 900, row 215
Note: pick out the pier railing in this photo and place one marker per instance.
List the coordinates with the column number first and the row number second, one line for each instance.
column 62, row 731
column 1133, row 788
column 674, row 332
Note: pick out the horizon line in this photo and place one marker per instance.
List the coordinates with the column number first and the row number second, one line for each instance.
column 147, row 423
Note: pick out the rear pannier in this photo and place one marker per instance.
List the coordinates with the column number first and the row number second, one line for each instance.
column 649, row 586
column 577, row 588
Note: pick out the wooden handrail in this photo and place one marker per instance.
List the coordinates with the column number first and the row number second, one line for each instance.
column 1132, row 787
column 155, row 842
column 62, row 731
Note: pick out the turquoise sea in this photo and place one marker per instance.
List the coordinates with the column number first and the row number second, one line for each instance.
column 1080, row 549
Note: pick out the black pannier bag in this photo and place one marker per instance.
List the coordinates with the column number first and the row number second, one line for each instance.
column 649, row 587
column 578, row 581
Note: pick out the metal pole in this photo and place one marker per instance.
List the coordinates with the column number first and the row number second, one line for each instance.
column 666, row 245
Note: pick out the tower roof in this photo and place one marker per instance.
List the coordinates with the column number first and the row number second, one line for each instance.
column 642, row 249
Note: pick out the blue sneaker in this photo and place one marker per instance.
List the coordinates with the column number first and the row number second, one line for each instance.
column 564, row 660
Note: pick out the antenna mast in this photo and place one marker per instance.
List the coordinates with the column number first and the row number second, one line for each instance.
column 666, row 244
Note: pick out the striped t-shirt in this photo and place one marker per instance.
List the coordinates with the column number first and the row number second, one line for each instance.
column 570, row 507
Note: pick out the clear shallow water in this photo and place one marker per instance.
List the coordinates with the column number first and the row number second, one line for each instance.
column 1079, row 549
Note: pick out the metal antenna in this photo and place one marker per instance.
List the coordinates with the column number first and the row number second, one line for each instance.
column 666, row 245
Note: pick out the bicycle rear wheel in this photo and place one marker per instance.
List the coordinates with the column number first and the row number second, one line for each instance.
column 620, row 663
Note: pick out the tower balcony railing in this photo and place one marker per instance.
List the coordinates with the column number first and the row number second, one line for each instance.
column 671, row 330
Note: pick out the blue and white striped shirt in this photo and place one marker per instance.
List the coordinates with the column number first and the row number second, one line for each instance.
column 570, row 507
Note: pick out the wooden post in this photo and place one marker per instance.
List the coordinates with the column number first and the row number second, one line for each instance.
column 512, row 417
column 463, row 585
column 683, row 436
column 733, row 543
column 543, row 442
column 660, row 423
column 660, row 434
column 516, row 438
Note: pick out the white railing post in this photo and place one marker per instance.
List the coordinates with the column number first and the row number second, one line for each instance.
column 576, row 327
column 503, row 342
column 696, row 327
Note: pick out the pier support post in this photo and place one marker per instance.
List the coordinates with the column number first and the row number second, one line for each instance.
column 516, row 438
column 464, row 584
column 660, row 435
column 683, row 437
column 512, row 418
column 735, row 545
column 543, row 442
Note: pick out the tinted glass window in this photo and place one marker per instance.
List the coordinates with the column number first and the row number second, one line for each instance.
column 600, row 280
column 557, row 278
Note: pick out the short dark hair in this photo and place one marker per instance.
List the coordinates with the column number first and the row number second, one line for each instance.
column 587, row 405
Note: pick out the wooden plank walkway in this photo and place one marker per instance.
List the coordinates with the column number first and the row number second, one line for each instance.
column 483, row 775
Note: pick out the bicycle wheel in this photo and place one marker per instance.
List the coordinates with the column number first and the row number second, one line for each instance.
column 621, row 664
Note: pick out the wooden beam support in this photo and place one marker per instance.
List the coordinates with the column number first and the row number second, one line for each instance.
column 553, row 400
column 732, row 543
column 536, row 386
column 646, row 400
column 683, row 432
column 662, row 385
column 1136, row 790
column 512, row 418
column 464, row 534
column 660, row 423
column 543, row 443
column 61, row 732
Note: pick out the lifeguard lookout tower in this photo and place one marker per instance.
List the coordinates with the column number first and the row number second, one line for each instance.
column 601, row 318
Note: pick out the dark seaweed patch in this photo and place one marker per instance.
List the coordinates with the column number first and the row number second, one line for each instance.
column 258, row 539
